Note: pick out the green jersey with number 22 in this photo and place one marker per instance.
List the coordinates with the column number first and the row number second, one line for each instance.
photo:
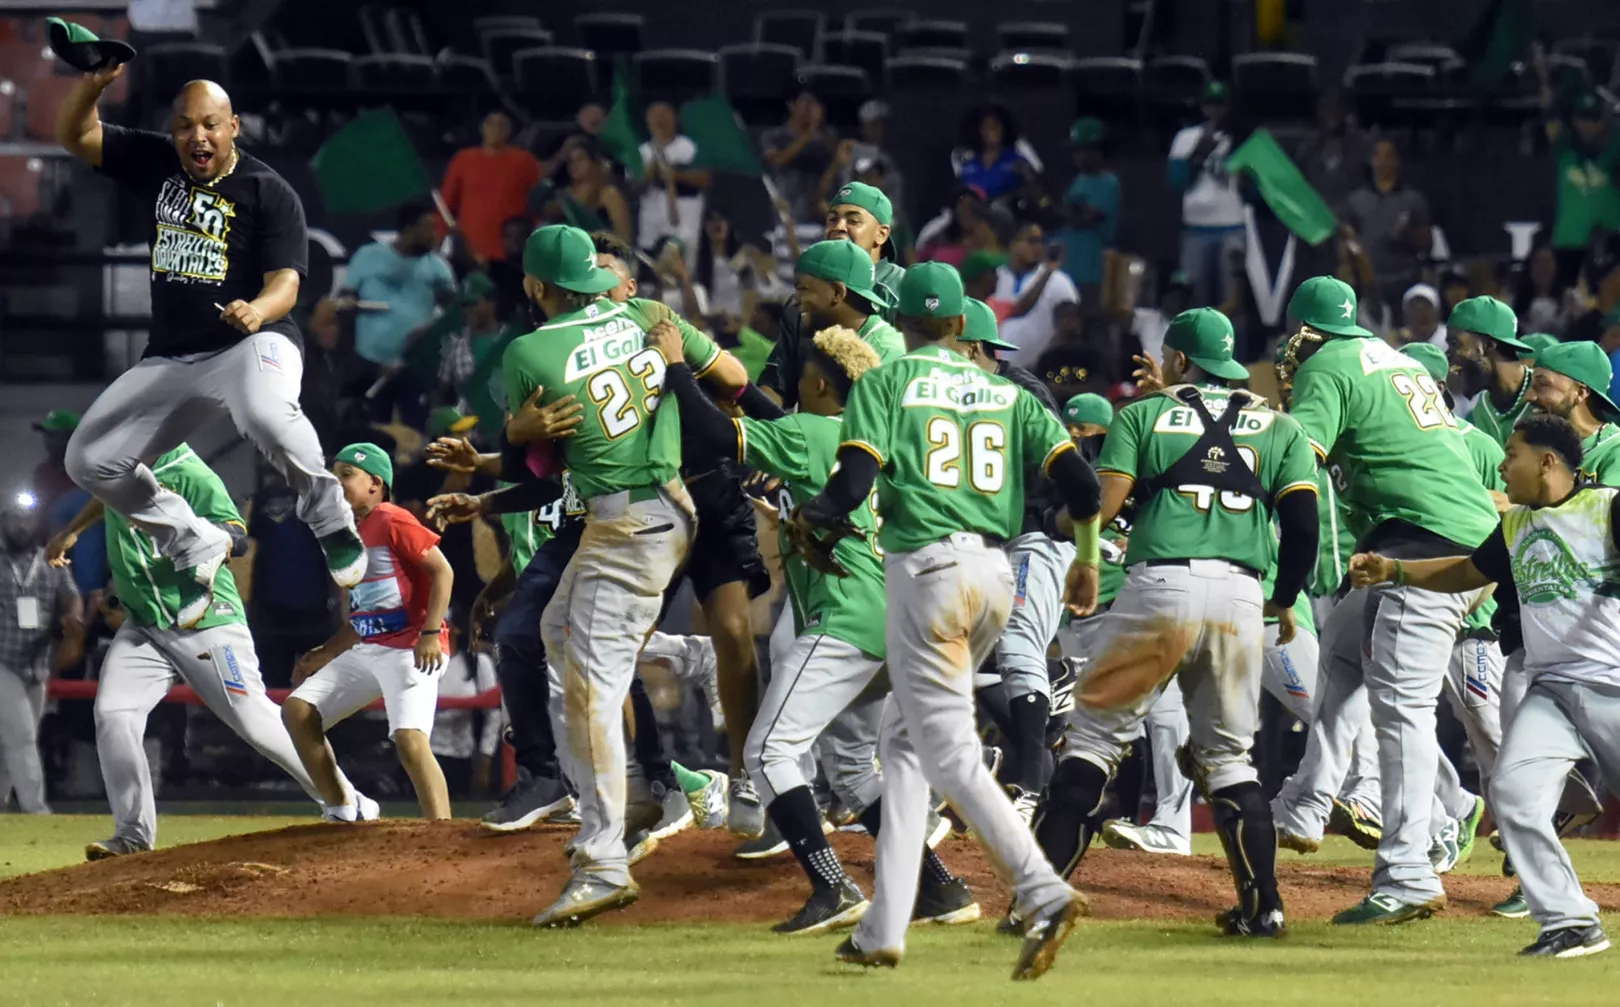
column 953, row 445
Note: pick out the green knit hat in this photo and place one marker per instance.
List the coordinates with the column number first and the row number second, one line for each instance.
column 370, row 459
column 1488, row 317
column 1088, row 407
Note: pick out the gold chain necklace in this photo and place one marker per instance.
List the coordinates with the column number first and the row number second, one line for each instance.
column 235, row 157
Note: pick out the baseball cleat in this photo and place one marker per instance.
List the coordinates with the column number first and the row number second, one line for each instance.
column 945, row 904
column 827, row 909
column 345, row 556
column 583, row 898
column 1010, row 925
column 1468, row 830
column 1496, row 838
column 1046, row 934
column 1268, row 924
column 1387, row 909
column 1024, row 803
column 196, row 609
column 769, row 843
column 1299, row 844
column 568, row 816
column 1444, row 850
column 640, row 846
column 938, row 828
column 1120, row 834
column 364, row 809
column 708, row 803
column 1567, row 823
column 530, row 801
column 852, row 953
column 1568, row 942
column 677, row 812
column 1357, row 822
column 745, row 817
column 117, row 846
column 1514, row 907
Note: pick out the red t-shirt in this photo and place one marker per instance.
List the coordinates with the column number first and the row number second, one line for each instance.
column 484, row 188
column 389, row 607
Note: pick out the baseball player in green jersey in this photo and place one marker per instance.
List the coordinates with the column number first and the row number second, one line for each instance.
column 834, row 285
column 1482, row 341
column 1410, row 486
column 861, row 215
column 150, row 651
column 623, row 460
column 1571, row 381
column 949, row 448
column 1209, row 468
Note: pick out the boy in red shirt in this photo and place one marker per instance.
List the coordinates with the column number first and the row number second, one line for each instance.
column 393, row 646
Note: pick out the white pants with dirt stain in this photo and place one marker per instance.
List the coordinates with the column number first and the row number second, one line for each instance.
column 22, row 704
column 606, row 603
column 947, row 605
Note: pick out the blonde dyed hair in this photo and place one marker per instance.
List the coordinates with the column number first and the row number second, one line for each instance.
column 847, row 349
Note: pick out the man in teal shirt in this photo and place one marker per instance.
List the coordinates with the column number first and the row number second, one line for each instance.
column 1090, row 210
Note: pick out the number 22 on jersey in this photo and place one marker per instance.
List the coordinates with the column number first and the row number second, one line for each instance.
column 1424, row 399
column 616, row 405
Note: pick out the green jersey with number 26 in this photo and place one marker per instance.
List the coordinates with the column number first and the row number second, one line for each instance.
column 599, row 355
column 953, row 445
column 1378, row 416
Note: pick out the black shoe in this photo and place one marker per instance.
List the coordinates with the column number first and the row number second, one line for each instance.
column 1045, row 935
column 1010, row 925
column 1568, row 942
column 768, row 843
column 1268, row 924
column 827, row 909
column 945, row 904
column 852, row 953
column 530, row 800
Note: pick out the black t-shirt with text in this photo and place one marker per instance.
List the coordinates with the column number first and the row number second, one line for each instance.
column 211, row 244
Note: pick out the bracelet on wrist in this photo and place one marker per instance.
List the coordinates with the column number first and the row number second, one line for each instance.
column 432, row 632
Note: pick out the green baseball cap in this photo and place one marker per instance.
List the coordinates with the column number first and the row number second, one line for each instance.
column 980, row 262
column 1584, row 362
column 868, row 197
column 477, row 286
column 1326, row 304
column 1488, row 317
column 1588, row 106
column 842, row 262
column 370, row 459
column 1088, row 407
column 78, row 46
column 1537, row 341
column 932, row 290
column 1205, row 336
column 1216, row 93
column 566, row 256
column 1432, row 357
column 58, row 421
column 1086, row 131
column 981, row 326
column 448, row 420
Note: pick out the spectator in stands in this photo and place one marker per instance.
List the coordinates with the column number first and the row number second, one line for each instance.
column 284, row 584
column 37, row 601
column 590, row 200
column 798, row 153
column 60, row 501
column 1334, row 158
column 329, row 393
column 731, row 273
column 465, row 741
column 398, row 287
column 471, row 335
column 870, row 150
column 672, row 197
column 506, row 272
column 968, row 225
column 1597, row 295
column 979, row 279
column 992, row 157
column 1149, row 323
column 1586, row 151
column 1034, row 283
column 1542, row 301
column 1089, row 211
column 487, row 185
column 1420, row 306
column 1455, row 288
column 1355, row 268
column 1211, row 205
column 1391, row 219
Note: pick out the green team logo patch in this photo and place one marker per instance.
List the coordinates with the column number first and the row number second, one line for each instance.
column 963, row 391
column 1546, row 571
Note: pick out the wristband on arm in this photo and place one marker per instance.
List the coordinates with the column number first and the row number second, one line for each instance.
column 1087, row 547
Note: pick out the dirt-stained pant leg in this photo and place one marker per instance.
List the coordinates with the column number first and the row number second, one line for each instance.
column 947, row 604
column 1167, row 731
column 819, row 677
column 848, row 748
column 1221, row 680
column 607, row 602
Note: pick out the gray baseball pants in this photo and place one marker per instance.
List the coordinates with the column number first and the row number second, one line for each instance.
column 1580, row 794
column 1040, row 566
column 22, row 704
column 158, row 403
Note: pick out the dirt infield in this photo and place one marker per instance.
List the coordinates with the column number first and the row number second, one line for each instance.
column 453, row 870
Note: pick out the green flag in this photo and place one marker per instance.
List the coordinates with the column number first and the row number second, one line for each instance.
column 1285, row 190
column 1501, row 34
column 369, row 166
column 622, row 130
column 722, row 143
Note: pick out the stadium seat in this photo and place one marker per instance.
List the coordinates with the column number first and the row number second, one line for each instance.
column 932, row 35
column 552, row 82
column 937, row 52
column 757, row 77
column 1423, row 54
column 373, row 29
column 865, row 49
column 1108, row 87
column 405, row 32
column 168, row 65
column 250, row 66
column 494, row 22
column 43, row 97
column 1384, row 94
column 1599, row 54
column 8, row 108
column 797, row 28
column 500, row 43
column 835, row 81
column 1275, row 86
column 1565, row 69
column 20, row 179
column 395, row 73
column 883, row 20
column 312, row 69
column 925, row 72
column 1023, row 69
column 465, row 75
column 676, row 74
column 1173, row 85
column 1033, row 36
column 608, row 35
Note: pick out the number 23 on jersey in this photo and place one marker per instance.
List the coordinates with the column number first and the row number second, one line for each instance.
column 617, row 404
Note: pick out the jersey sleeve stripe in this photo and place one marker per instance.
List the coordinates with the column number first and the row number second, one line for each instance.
column 1320, row 453
column 742, row 439
column 869, row 449
column 1051, row 456
column 1118, row 473
column 1291, row 487
column 698, row 372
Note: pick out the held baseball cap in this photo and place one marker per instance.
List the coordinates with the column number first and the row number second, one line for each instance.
column 448, row 420
column 981, row 327
column 1205, row 336
column 1584, row 362
column 932, row 290
column 1488, row 317
column 1432, row 357
column 78, row 46
column 1088, row 407
column 1537, row 341
column 1326, row 304
column 868, row 197
column 370, row 459
column 842, row 262
column 566, row 256
column 58, row 421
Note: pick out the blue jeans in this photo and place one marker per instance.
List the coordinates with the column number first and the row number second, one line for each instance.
column 520, row 656
column 1204, row 252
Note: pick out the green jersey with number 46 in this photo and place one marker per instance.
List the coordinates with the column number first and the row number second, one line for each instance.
column 599, row 355
column 801, row 449
column 1378, row 416
column 953, row 445
column 1148, row 436
column 148, row 586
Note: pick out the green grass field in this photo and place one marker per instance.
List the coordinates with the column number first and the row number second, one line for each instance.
column 151, row 961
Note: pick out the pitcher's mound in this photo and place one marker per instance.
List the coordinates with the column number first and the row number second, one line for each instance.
column 455, row 870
